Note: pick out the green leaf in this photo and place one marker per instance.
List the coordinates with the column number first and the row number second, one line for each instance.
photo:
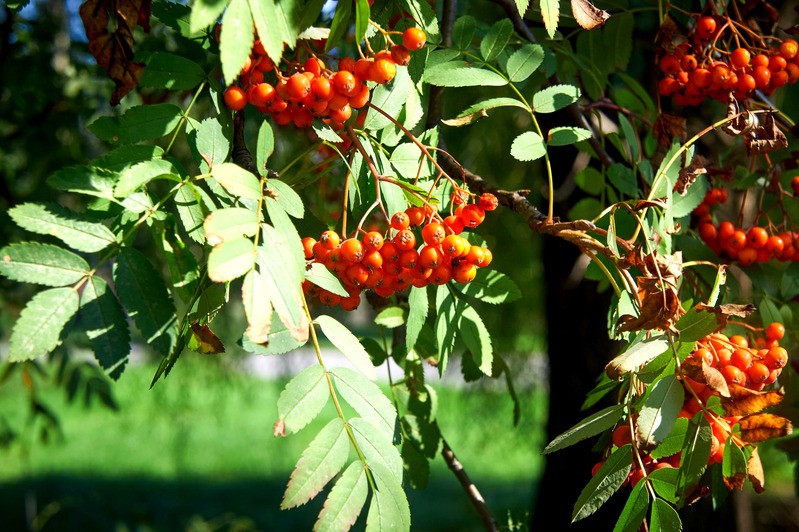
column 265, row 146
column 235, row 39
column 339, row 25
column 319, row 275
column 286, row 197
column 550, row 12
column 585, row 209
column 212, row 144
column 623, row 178
column 496, row 39
column 463, row 32
column 389, row 509
column 564, row 136
column 345, row 501
column 528, row 146
column 32, row 262
column 366, row 398
column 390, row 97
column 695, row 325
column 634, row 511
column 105, row 325
column 66, row 225
column 138, row 175
column 668, row 172
column 769, row 313
column 170, row 71
column 143, row 292
column 142, row 122
column 696, row 451
column 410, row 162
column 638, row 354
column 237, row 181
column 231, row 259
column 491, row 286
column 790, row 282
column 38, row 329
column 477, row 339
column 664, row 481
column 274, row 28
column 554, row 98
column 204, row 13
column 607, row 480
column 630, row 137
column 617, row 33
column 362, row 13
column 86, row 180
column 303, row 398
column 424, row 16
column 673, row 442
column 521, row 6
column 664, row 518
column 590, row 426
column 347, row 343
column 376, row 448
column 284, row 279
column 460, row 74
column 257, row 307
column 659, row 412
column 491, row 103
column 319, row 463
column 391, row 317
column 445, row 328
column 228, row 224
column 733, row 461
column 524, row 61
column 418, row 306
column 189, row 204
column 683, row 205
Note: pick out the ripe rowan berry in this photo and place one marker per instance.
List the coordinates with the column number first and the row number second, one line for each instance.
column 372, row 259
column 390, row 252
column 707, row 231
column 314, row 66
column 431, row 257
column 433, row 233
column 341, row 115
column 330, row 240
column 454, row 223
column 739, row 341
column 400, row 55
column 705, row 27
column 298, row 87
column 776, row 358
column 373, row 241
column 383, row 71
column 307, row 246
column 414, row 38
column 758, row 372
column 352, row 250
column 357, row 273
column 322, row 89
column 400, row 221
column 261, row 94
column 789, row 48
column 464, row 272
column 347, row 64
column 415, row 216
column 488, row 201
column 704, row 354
column 733, row 375
column 409, row 258
column 405, row 240
column 476, row 255
column 739, row 58
column 235, row 98
column 775, row 331
column 741, row 358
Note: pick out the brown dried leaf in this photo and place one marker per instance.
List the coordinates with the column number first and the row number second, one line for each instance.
column 203, row 340
column 743, row 402
column 646, row 204
column 762, row 427
column 279, row 429
column 658, row 309
column 467, row 119
column 688, row 175
column 668, row 35
column 755, row 470
column 735, row 482
column 668, row 126
column 765, row 139
column 698, row 370
column 739, row 123
column 723, row 312
column 587, row 15
column 113, row 50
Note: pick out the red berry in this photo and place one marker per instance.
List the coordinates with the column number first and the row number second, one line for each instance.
column 414, row 38
column 235, row 98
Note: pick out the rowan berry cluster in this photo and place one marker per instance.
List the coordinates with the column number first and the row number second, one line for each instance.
column 746, row 246
column 752, row 367
column 298, row 91
column 418, row 249
column 715, row 61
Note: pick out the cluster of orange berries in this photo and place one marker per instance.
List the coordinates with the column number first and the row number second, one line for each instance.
column 744, row 246
column 301, row 91
column 752, row 367
column 697, row 69
column 392, row 264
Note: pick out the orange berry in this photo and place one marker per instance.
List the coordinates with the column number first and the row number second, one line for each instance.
column 400, row 221
column 464, row 272
column 235, row 98
column 758, row 372
column 405, row 240
column 298, row 87
column 739, row 341
column 383, row 71
column 733, row 375
column 473, row 215
column 776, row 358
column 261, row 94
column 789, row 48
column 430, row 257
column 415, row 216
column 330, row 240
column 775, row 331
column 414, row 38
column 373, row 241
column 352, row 250
column 322, row 89
column 344, row 82
column 433, row 233
column 307, row 246
column 740, row 57
column 741, row 358
column 705, row 27
column 400, row 55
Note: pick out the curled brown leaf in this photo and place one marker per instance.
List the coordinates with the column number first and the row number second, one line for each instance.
column 587, row 15
column 762, row 427
column 743, row 402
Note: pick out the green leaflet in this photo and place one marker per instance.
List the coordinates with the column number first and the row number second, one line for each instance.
column 61, row 223
column 38, row 329
column 237, row 181
column 496, row 39
column 171, row 71
column 231, row 259
column 460, row 74
column 105, row 325
column 524, row 61
column 142, row 122
column 235, row 39
column 634, row 510
column 418, row 307
column 607, row 480
column 228, row 224
column 319, row 275
column 347, row 343
column 659, row 412
column 257, row 307
column 144, row 294
column 319, row 463
column 389, row 508
column 491, row 286
column 555, row 97
column 590, row 426
column 31, row 262
column 528, row 146
column 477, row 339
column 345, row 501
column 211, row 142
column 376, row 448
column 367, row 399
column 303, row 398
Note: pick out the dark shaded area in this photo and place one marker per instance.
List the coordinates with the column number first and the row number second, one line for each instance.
column 68, row 503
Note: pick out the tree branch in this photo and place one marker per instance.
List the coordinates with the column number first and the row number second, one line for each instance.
column 241, row 154
column 475, row 496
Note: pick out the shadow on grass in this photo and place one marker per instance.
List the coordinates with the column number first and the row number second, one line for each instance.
column 70, row 503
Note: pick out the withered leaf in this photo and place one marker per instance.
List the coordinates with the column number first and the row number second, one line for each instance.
column 743, row 402
column 646, row 204
column 762, row 427
column 587, row 15
column 688, row 175
column 738, row 122
column 279, row 429
column 667, row 127
column 735, row 482
column 113, row 50
column 203, row 340
column 755, row 470
column 765, row 139
column 698, row 370
column 723, row 312
column 467, row 119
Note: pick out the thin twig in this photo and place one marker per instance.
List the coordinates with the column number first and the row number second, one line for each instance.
column 475, row 496
column 241, row 154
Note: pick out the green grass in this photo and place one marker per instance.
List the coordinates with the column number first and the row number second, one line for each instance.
column 199, row 446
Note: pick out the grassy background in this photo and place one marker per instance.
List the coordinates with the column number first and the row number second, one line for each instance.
column 197, row 452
